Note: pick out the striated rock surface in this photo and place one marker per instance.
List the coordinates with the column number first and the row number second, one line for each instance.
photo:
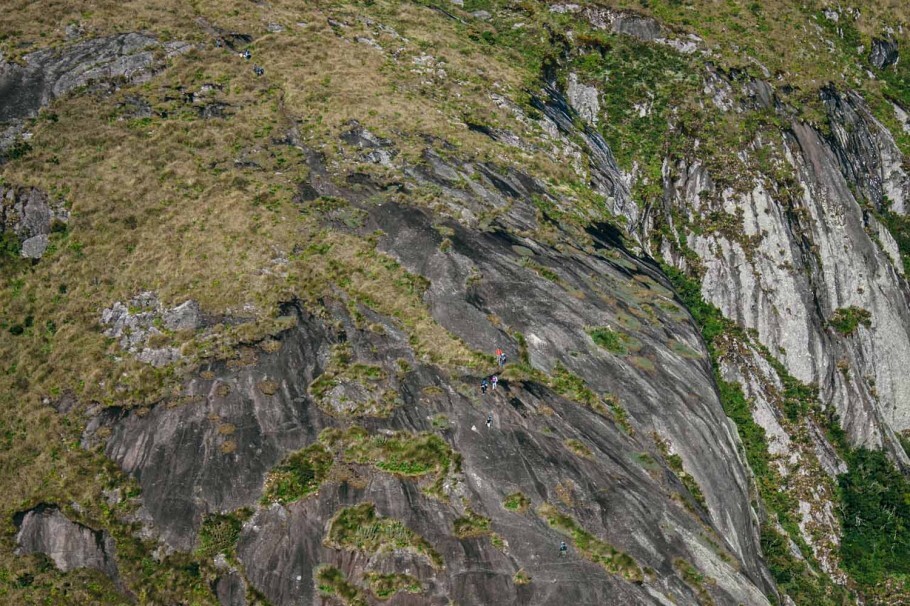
column 46, row 530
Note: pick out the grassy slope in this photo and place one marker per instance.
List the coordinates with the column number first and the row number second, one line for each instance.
column 158, row 205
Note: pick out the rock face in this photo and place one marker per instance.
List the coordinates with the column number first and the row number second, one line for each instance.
column 210, row 450
column 137, row 324
column 884, row 53
column 46, row 530
column 50, row 73
column 793, row 268
column 28, row 214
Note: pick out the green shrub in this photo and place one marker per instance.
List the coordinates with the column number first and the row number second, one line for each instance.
column 384, row 586
column 219, row 534
column 847, row 319
column 331, row 581
column 876, row 518
column 608, row 339
column 299, row 475
column 517, row 502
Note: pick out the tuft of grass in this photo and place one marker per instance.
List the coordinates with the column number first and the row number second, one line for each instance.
column 299, row 475
column 517, row 502
column 359, row 528
column 577, row 447
column 608, row 339
column 521, row 577
column 847, row 319
column 471, row 525
column 384, row 586
column 592, row 548
column 695, row 580
column 218, row 534
column 331, row 582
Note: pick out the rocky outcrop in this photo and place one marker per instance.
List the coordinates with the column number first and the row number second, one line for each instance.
column 50, row 73
column 884, row 53
column 69, row 545
column 210, row 450
column 29, row 215
column 797, row 261
column 138, row 324
column 866, row 152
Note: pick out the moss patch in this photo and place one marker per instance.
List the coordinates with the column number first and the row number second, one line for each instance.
column 331, row 582
column 472, row 524
column 384, row 586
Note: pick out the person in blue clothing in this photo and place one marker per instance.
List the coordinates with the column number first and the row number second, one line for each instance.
column 483, row 385
column 502, row 359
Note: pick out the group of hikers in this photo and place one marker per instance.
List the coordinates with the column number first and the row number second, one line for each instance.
column 258, row 70
column 490, row 382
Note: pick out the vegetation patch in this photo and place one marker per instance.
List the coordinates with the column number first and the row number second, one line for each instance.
column 472, row 524
column 676, row 464
column 592, row 548
column 695, row 580
column 521, row 577
column 331, row 582
column 299, row 475
column 847, row 319
column 608, row 339
column 517, row 502
column 876, row 518
column 219, row 534
column 384, row 586
column 359, row 528
column 578, row 448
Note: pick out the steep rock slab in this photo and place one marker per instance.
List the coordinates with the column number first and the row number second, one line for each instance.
column 789, row 271
column 209, row 450
column 482, row 276
column 610, row 494
column 46, row 530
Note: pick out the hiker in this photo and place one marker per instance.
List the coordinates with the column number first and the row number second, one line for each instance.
column 494, row 381
column 247, row 54
column 502, row 359
column 489, row 420
column 483, row 385
column 563, row 548
column 258, row 70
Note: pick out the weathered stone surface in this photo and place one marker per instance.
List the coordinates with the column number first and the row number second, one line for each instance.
column 883, row 53
column 46, row 530
column 135, row 324
column 29, row 215
column 231, row 590
column 583, row 99
column 47, row 74
column 211, row 453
